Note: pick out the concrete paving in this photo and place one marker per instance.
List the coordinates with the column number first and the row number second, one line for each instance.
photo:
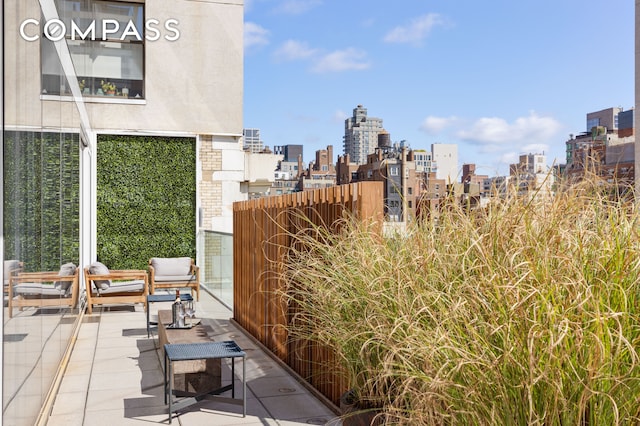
column 115, row 377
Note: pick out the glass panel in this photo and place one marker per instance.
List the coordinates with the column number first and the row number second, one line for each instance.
column 40, row 196
column 104, row 68
column 41, row 199
column 99, row 63
column 215, row 252
column 101, row 20
column 106, row 59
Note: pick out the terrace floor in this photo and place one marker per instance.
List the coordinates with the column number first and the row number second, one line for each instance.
column 115, row 377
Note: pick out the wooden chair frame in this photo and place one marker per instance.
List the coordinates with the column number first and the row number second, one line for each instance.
column 126, row 297
column 193, row 284
column 36, row 301
column 12, row 273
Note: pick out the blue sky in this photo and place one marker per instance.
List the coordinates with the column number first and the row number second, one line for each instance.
column 498, row 78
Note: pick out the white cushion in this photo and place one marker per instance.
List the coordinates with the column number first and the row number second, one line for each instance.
column 68, row 269
column 98, row 268
column 171, row 266
column 124, row 286
column 38, row 289
column 174, row 278
column 9, row 266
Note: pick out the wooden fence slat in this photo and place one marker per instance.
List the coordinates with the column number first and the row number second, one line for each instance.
column 263, row 231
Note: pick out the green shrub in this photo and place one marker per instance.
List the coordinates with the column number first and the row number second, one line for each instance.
column 146, row 199
column 526, row 312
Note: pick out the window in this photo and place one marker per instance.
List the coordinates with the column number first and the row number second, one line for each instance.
column 393, row 171
column 410, row 190
column 110, row 67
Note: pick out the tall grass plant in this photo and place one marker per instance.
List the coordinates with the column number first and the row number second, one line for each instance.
column 523, row 312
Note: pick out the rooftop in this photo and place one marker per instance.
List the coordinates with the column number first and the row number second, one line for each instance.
column 115, row 376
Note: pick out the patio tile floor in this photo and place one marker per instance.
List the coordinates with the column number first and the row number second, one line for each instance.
column 115, row 377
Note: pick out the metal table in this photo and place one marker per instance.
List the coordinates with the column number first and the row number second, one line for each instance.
column 203, row 350
column 163, row 298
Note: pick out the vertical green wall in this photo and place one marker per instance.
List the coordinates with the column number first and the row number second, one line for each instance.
column 146, row 199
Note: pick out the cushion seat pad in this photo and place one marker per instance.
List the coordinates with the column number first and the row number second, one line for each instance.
column 124, row 286
column 38, row 289
column 174, row 278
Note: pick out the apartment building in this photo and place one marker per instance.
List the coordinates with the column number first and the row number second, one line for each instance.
column 445, row 161
column 395, row 165
column 361, row 135
column 80, row 73
column 606, row 152
column 252, row 141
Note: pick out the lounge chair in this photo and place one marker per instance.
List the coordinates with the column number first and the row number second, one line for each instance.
column 10, row 269
column 174, row 272
column 54, row 289
column 115, row 287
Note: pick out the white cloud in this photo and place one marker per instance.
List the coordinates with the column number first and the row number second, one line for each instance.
column 416, row 31
column 339, row 116
column 535, row 148
column 342, row 60
column 509, row 158
column 524, row 130
column 292, row 50
column 323, row 62
column 434, row 125
column 297, row 7
column 255, row 35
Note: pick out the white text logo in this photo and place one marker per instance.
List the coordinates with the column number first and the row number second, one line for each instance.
column 56, row 30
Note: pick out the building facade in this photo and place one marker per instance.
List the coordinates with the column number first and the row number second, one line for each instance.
column 290, row 153
column 607, row 118
column 76, row 72
column 361, row 135
column 252, row 141
column 605, row 152
column 445, row 161
column 395, row 165
column 321, row 173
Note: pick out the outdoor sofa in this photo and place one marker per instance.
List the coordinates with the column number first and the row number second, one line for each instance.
column 55, row 289
column 174, row 272
column 115, row 287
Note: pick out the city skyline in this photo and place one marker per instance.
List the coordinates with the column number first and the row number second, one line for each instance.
column 515, row 78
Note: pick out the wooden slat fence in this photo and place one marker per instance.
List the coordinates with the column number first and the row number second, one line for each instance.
column 262, row 230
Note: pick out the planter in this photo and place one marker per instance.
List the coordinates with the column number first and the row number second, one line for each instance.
column 363, row 418
column 353, row 414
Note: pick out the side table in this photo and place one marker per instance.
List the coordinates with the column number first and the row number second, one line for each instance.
column 199, row 351
column 151, row 298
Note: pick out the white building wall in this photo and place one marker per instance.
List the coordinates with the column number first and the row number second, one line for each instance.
column 193, row 85
column 446, row 158
column 193, row 88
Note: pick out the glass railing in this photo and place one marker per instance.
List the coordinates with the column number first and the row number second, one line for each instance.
column 215, row 257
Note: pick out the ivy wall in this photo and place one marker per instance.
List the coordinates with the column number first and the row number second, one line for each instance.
column 146, row 199
column 41, row 199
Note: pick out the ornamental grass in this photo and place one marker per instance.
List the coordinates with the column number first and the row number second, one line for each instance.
column 524, row 312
